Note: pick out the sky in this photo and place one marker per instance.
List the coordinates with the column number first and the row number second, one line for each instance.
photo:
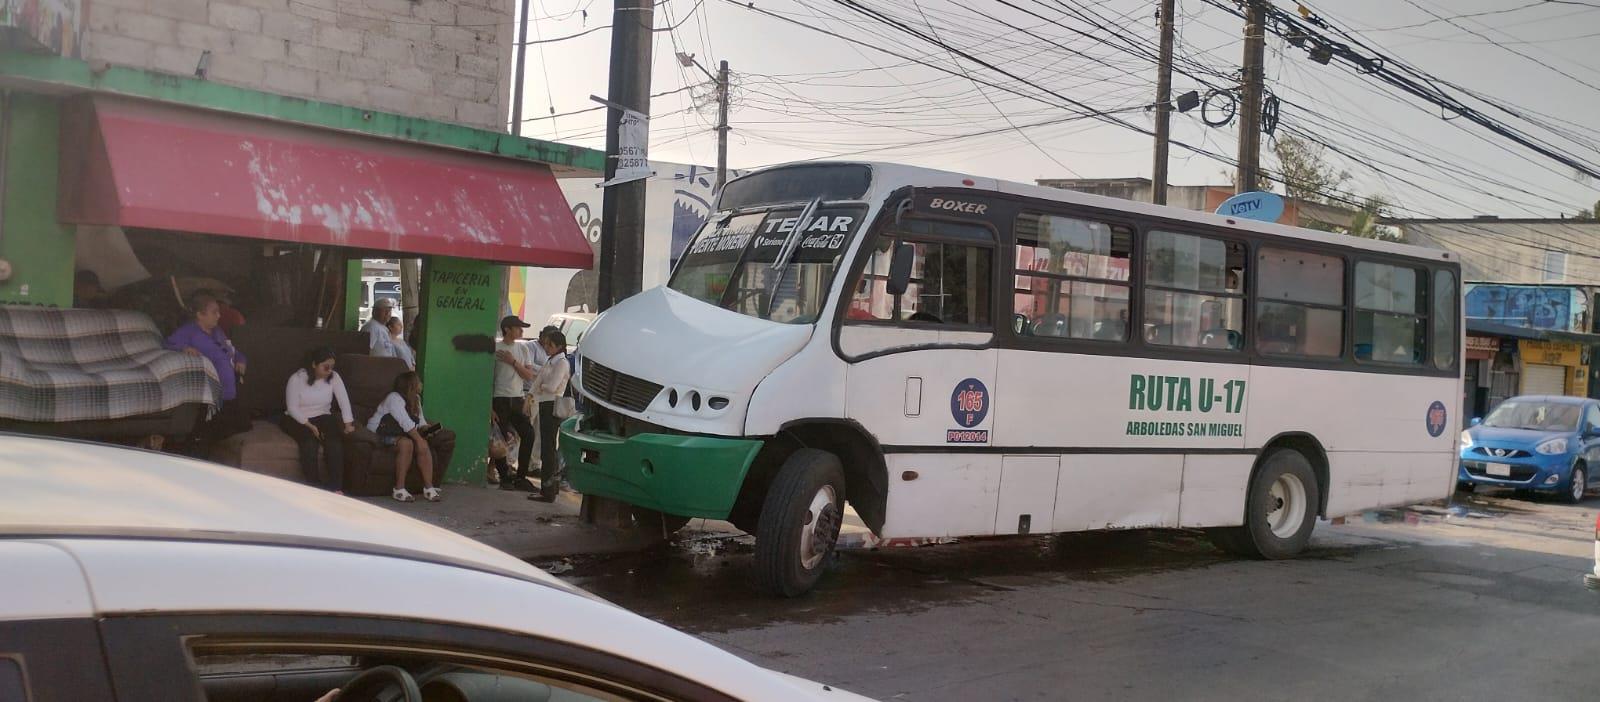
column 1005, row 96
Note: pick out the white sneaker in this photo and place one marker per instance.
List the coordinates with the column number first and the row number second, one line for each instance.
column 432, row 494
column 402, row 495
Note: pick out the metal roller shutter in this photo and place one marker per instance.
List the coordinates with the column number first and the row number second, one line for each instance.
column 1538, row 379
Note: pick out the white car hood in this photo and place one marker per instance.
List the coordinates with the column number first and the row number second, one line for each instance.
column 683, row 344
column 818, row 690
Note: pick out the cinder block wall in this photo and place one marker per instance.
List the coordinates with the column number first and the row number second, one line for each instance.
column 447, row 60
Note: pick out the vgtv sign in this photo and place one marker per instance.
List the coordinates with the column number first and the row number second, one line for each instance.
column 1262, row 206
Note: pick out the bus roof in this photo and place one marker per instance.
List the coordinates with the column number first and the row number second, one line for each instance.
column 888, row 177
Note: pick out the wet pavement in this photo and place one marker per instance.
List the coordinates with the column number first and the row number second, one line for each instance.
column 1478, row 599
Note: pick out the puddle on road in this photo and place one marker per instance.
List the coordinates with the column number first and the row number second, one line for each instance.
column 700, row 582
column 1462, row 506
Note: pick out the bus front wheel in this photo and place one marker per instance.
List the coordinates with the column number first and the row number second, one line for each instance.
column 1280, row 509
column 799, row 523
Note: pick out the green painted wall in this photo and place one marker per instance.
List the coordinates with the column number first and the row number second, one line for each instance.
column 352, row 294
column 459, row 297
column 40, row 249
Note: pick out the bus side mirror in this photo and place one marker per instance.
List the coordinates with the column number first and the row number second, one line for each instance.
column 900, row 269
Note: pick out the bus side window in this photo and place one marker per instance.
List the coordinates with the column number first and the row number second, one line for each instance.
column 1391, row 314
column 1071, row 279
column 1193, row 291
column 1300, row 304
column 951, row 282
column 1445, row 299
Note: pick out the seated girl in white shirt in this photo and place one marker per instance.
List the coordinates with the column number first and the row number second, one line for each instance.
column 398, row 422
column 308, row 399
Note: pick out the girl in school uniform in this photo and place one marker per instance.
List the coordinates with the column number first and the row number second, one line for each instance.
column 399, row 422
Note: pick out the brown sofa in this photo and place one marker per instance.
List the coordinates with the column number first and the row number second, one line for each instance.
column 274, row 354
column 368, row 464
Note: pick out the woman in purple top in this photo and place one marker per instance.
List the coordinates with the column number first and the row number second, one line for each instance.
column 202, row 337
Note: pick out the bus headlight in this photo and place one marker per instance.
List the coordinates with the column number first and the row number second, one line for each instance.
column 1553, row 447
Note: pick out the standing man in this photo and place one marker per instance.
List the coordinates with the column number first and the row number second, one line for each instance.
column 512, row 369
column 377, row 328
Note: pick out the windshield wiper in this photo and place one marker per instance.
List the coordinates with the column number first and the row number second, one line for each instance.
column 792, row 242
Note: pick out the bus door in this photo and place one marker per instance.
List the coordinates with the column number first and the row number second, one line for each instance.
column 918, row 333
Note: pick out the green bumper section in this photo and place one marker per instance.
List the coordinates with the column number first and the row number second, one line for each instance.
column 690, row 476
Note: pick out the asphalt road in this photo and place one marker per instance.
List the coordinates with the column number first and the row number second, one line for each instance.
column 1482, row 600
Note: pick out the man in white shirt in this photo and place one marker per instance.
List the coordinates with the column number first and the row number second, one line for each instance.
column 513, row 368
column 377, row 328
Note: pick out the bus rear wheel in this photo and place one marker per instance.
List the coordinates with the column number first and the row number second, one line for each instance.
column 799, row 523
column 1280, row 509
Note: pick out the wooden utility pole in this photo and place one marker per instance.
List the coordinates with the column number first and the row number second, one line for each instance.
column 1255, row 42
column 722, row 125
column 622, row 207
column 1158, row 175
column 522, row 65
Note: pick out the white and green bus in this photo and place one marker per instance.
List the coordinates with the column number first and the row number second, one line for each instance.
column 958, row 356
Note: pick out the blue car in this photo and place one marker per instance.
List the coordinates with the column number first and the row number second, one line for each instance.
column 1534, row 442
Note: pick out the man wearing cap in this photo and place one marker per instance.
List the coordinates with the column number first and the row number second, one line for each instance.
column 377, row 328
column 514, row 366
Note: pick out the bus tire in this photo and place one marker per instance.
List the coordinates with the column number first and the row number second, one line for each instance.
column 800, row 520
column 1280, row 510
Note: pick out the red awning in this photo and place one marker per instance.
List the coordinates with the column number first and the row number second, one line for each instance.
column 138, row 164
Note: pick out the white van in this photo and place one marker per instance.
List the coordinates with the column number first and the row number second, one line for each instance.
column 374, row 288
column 573, row 325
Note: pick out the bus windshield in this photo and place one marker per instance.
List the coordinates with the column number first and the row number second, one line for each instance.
column 730, row 262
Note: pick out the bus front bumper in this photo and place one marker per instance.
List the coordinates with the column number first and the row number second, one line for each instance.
column 689, row 476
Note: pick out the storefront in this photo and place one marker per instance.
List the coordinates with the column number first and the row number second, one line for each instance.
column 1490, row 375
column 1504, row 361
column 159, row 184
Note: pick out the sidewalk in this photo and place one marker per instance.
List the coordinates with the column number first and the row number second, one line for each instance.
column 509, row 521
column 530, row 530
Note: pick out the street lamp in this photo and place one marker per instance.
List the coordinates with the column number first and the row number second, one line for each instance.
column 721, row 79
column 687, row 61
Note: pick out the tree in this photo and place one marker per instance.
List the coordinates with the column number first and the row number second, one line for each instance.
column 1593, row 213
column 1307, row 177
column 1304, row 172
column 1365, row 222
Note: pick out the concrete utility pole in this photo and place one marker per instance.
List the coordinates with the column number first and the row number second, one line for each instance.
column 622, row 208
column 1255, row 42
column 522, row 64
column 720, row 78
column 1158, row 175
column 722, row 125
